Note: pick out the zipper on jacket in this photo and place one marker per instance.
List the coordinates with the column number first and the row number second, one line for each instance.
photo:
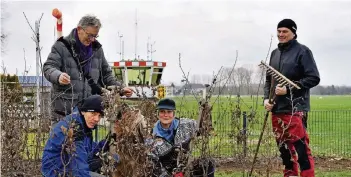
column 84, row 87
column 280, row 61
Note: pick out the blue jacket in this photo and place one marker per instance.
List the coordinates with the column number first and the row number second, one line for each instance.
column 78, row 149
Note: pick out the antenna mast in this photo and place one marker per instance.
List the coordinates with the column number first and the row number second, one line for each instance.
column 122, row 50
column 136, row 33
column 120, row 46
column 147, row 48
column 151, row 50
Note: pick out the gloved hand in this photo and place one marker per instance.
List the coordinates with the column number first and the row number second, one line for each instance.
column 95, row 89
column 95, row 163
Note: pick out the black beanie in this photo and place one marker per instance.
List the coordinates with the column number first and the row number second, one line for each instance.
column 93, row 103
column 290, row 24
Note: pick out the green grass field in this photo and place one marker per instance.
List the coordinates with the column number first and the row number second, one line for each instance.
column 318, row 103
column 328, row 124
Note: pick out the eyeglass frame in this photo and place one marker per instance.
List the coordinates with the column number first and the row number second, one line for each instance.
column 90, row 36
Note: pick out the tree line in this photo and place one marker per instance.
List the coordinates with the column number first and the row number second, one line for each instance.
column 249, row 80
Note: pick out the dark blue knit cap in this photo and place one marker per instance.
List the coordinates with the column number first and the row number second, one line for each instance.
column 93, row 103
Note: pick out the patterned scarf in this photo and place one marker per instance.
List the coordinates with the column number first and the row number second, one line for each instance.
column 85, row 53
column 166, row 133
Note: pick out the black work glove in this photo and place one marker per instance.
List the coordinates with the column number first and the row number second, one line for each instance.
column 95, row 89
column 95, row 163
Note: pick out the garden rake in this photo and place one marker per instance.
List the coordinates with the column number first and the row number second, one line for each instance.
column 283, row 81
column 278, row 76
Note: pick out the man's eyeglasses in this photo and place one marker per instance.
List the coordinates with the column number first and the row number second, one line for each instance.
column 90, row 36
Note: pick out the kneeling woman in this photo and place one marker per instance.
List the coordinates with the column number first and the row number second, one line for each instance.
column 172, row 135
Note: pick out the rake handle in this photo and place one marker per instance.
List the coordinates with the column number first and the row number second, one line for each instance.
column 270, row 100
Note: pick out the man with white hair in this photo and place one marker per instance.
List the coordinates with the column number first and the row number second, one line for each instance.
column 77, row 68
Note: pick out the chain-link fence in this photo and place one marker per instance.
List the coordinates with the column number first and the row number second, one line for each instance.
column 235, row 135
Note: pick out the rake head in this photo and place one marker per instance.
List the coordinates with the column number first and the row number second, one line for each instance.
column 278, row 76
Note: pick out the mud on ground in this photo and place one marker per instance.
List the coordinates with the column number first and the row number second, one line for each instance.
column 274, row 165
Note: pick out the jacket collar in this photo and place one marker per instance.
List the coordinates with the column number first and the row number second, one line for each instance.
column 287, row 46
column 78, row 116
column 167, row 134
column 71, row 39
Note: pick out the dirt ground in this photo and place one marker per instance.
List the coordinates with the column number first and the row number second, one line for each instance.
column 274, row 165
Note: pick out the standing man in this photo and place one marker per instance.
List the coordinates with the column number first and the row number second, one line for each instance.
column 295, row 61
column 77, row 68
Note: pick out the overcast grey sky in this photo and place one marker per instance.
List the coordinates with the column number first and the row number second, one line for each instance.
column 206, row 33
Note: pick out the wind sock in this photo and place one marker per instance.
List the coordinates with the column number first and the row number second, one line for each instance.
column 58, row 15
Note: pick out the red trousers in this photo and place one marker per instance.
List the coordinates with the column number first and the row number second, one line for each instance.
column 293, row 143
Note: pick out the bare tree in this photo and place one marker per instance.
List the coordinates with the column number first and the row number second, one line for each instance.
column 196, row 79
column 257, row 75
column 4, row 35
column 240, row 74
column 231, row 80
column 193, row 79
column 248, row 78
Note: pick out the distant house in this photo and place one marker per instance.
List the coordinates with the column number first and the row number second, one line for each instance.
column 31, row 82
column 29, row 87
column 190, row 88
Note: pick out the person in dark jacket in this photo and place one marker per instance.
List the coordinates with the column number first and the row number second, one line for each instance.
column 170, row 135
column 77, row 68
column 289, row 109
column 70, row 149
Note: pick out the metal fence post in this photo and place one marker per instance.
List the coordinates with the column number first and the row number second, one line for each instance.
column 244, row 135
